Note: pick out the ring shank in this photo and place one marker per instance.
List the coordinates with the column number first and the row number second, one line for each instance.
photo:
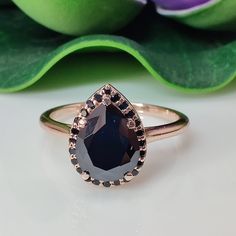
column 178, row 121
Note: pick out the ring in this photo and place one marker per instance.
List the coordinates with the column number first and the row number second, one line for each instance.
column 107, row 140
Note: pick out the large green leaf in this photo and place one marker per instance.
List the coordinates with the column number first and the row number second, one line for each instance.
column 184, row 58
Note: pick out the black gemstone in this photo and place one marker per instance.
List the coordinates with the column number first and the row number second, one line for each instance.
column 79, row 170
column 74, row 131
column 106, row 184
column 106, row 147
column 135, row 172
column 98, row 97
column 117, row 182
column 142, row 142
column 124, row 105
column 74, row 161
column 140, row 164
column 72, row 140
column 130, row 114
column 90, row 104
column 115, row 98
column 142, row 153
column 107, row 91
column 137, row 123
column 72, row 151
column 76, row 120
column 84, row 112
column 140, row 133
column 96, row 182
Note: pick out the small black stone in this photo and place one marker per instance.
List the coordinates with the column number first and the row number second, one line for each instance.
column 79, row 170
column 98, row 97
column 135, row 172
column 142, row 153
column 84, row 112
column 124, row 105
column 90, row 104
column 115, row 98
column 107, row 91
column 137, row 123
column 142, row 142
column 74, row 131
column 76, row 120
column 74, row 161
column 72, row 151
column 130, row 114
column 140, row 133
column 117, row 182
column 72, row 140
column 96, row 182
column 106, row 184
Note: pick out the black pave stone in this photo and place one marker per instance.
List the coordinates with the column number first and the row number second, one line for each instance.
column 130, row 114
column 72, row 151
column 74, row 161
column 96, row 182
column 106, row 184
column 117, row 182
column 142, row 153
column 115, row 98
column 98, row 97
column 74, row 131
column 72, row 140
column 142, row 142
column 140, row 133
column 135, row 172
column 107, row 91
column 90, row 104
column 106, row 147
column 79, row 170
column 123, row 106
column 137, row 123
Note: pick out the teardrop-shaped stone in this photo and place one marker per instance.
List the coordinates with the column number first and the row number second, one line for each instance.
column 106, row 147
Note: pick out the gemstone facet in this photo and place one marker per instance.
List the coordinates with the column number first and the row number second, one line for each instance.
column 106, row 147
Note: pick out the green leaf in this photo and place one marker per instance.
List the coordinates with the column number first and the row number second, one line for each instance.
column 180, row 57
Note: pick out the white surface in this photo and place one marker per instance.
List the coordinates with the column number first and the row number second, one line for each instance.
column 187, row 186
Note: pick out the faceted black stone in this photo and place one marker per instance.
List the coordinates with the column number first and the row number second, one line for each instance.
column 107, row 91
column 115, row 98
column 72, row 151
column 124, row 105
column 79, row 170
column 117, row 182
column 140, row 133
column 137, row 123
column 90, row 104
column 96, row 182
column 106, row 184
column 142, row 153
column 135, row 172
column 98, row 97
column 84, row 112
column 74, row 131
column 72, row 140
column 130, row 114
column 106, row 147
column 74, row 161
column 142, row 142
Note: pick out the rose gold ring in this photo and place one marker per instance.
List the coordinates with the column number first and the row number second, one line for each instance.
column 107, row 139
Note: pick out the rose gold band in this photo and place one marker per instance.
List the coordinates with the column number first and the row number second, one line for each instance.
column 178, row 121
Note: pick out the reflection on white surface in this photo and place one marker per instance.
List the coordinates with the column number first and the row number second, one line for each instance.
column 187, row 186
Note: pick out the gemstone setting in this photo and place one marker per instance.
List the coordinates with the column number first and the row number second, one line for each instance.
column 108, row 150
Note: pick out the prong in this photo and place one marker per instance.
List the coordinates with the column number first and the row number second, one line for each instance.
column 85, row 175
column 128, row 176
column 130, row 124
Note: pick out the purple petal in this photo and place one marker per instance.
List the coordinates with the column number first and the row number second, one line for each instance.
column 179, row 4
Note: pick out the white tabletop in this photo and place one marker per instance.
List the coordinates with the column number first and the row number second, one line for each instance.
column 186, row 187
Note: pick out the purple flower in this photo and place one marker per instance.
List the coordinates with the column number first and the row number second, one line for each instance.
column 179, row 4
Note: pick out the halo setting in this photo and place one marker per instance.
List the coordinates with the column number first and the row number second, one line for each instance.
column 107, row 142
